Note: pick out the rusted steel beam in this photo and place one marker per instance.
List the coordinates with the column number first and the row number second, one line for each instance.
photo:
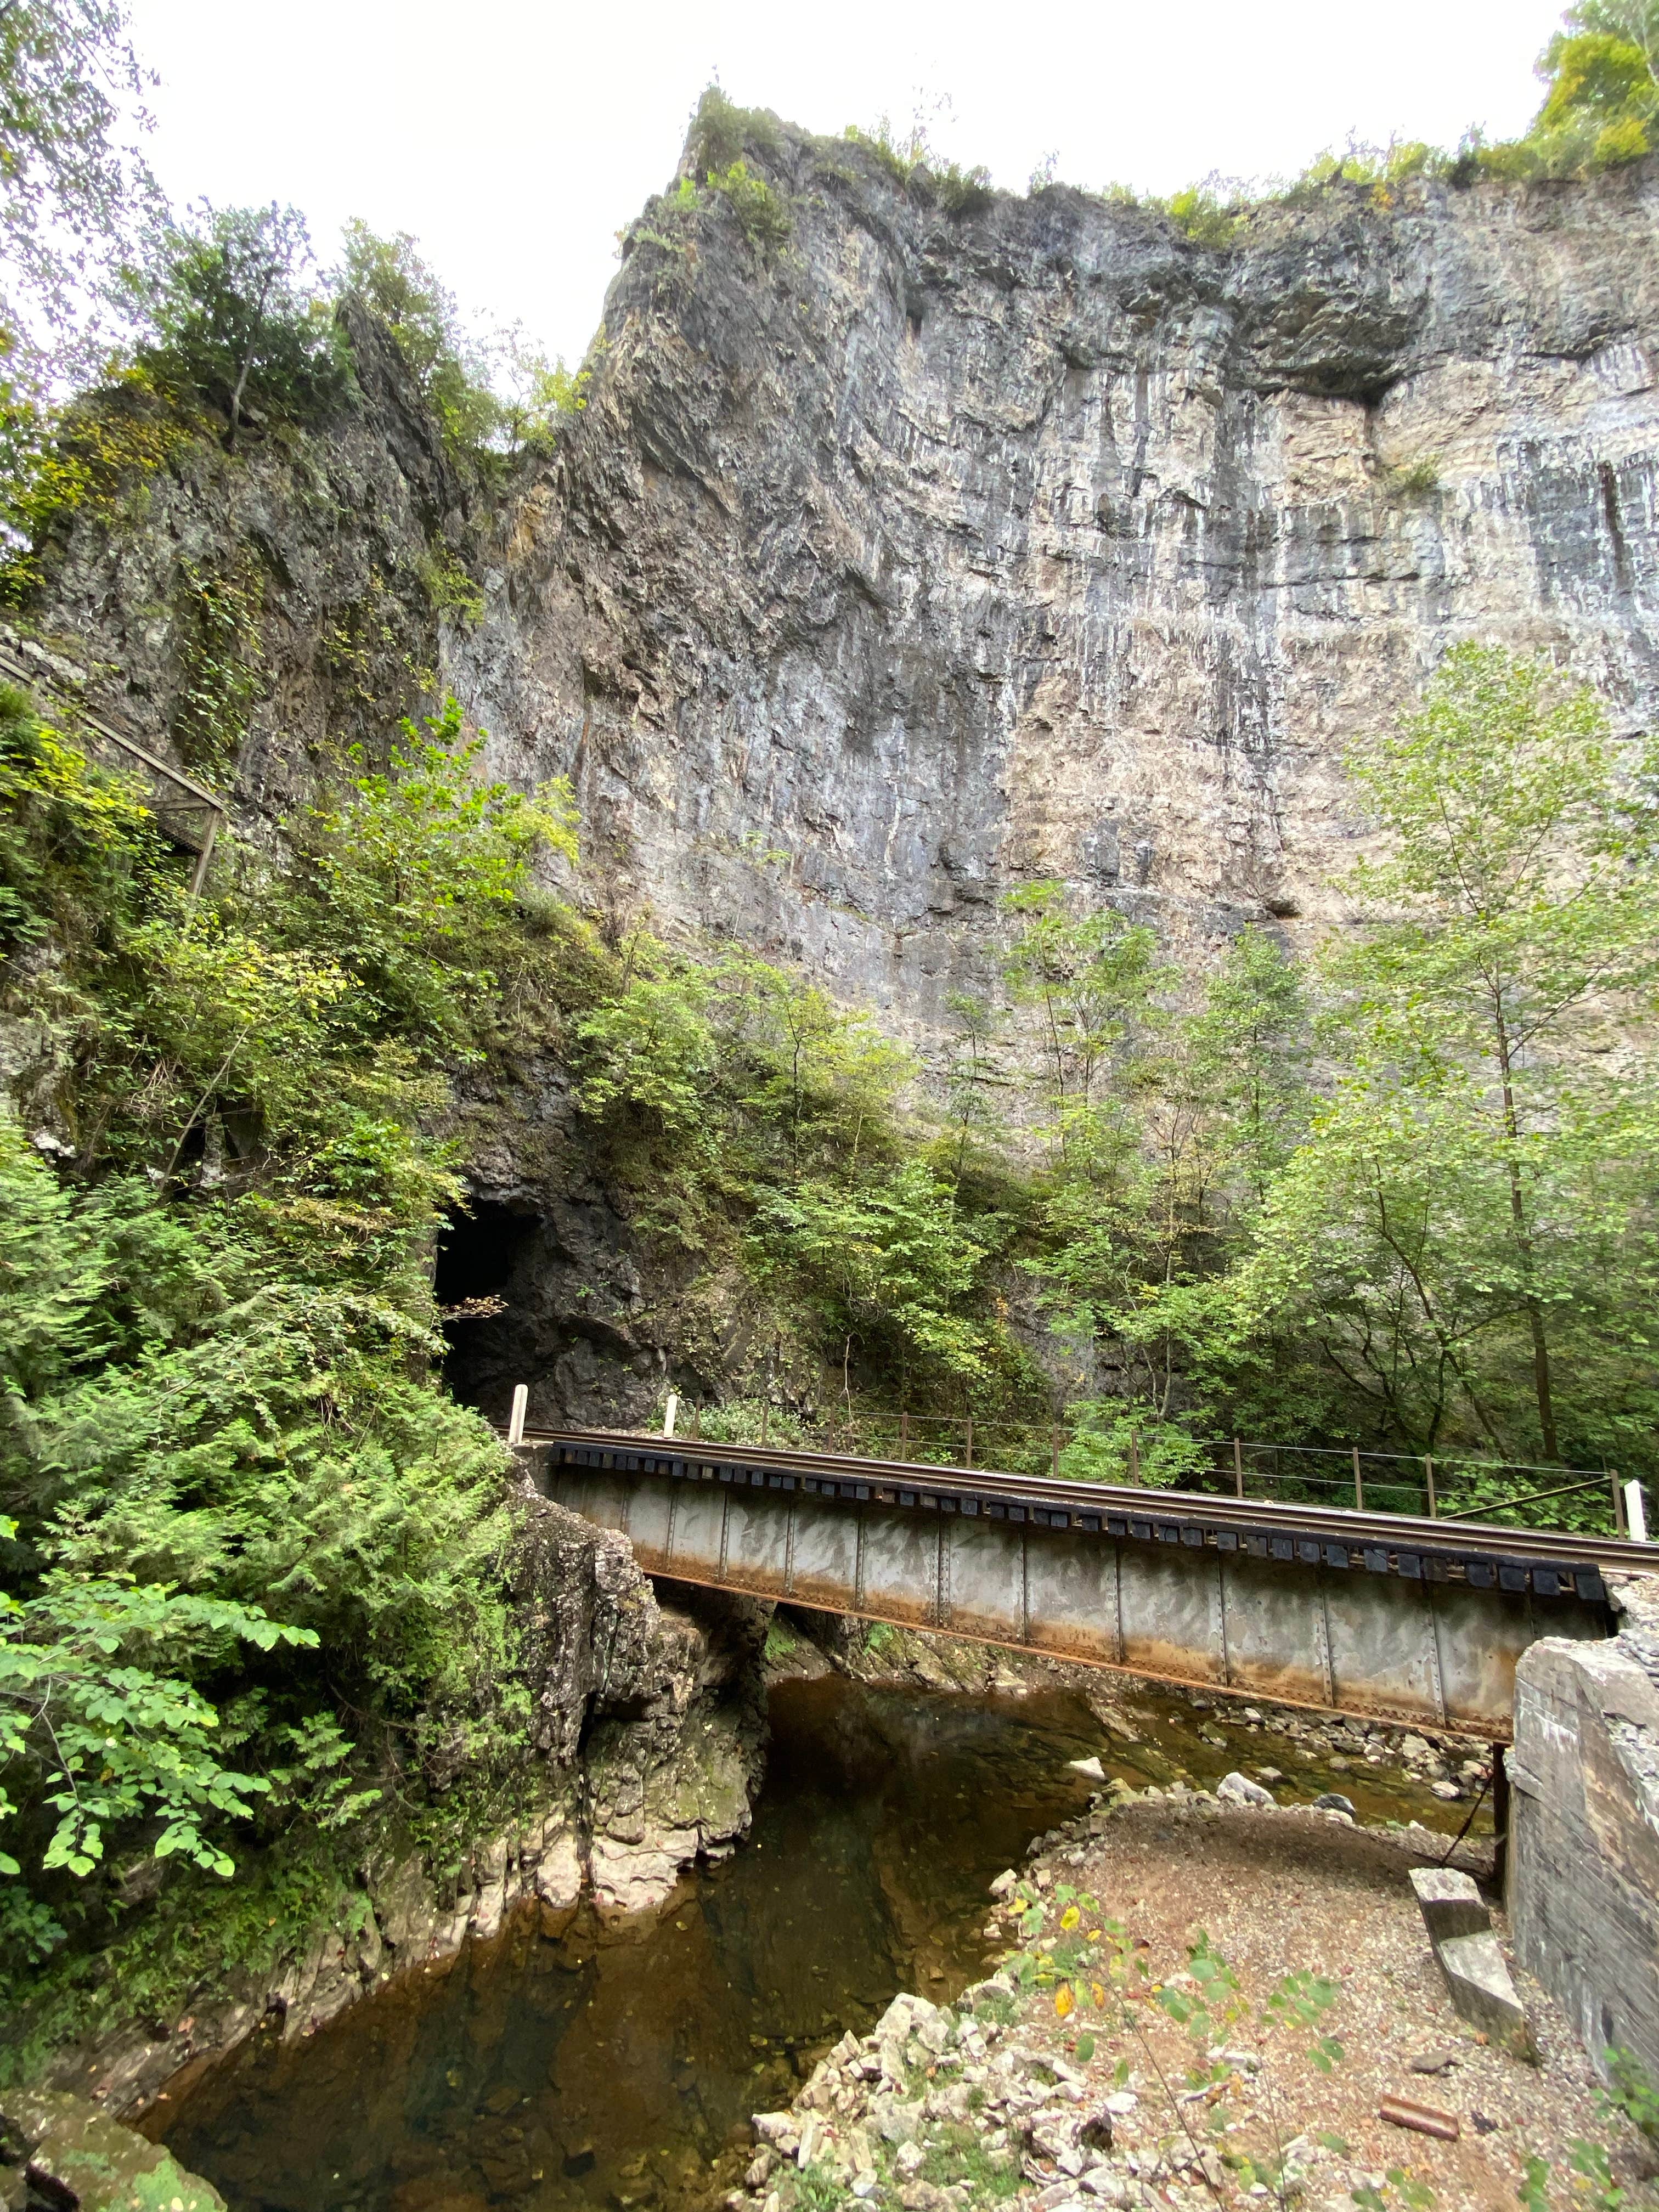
column 1316, row 1606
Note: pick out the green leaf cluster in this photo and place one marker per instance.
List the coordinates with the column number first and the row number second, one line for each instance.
column 221, row 1434
column 763, row 1119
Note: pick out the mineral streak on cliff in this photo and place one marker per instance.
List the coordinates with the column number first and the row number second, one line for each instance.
column 935, row 552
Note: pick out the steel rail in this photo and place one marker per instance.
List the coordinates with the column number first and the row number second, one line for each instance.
column 1344, row 1524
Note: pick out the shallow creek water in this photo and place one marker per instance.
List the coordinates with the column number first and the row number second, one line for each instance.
column 618, row 2068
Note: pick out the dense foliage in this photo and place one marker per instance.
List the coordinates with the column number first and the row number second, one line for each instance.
column 252, row 1567
column 243, row 1519
column 1405, row 1198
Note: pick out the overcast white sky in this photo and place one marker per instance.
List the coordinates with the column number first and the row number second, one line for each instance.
column 515, row 138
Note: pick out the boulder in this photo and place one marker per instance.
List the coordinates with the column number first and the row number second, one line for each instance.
column 1237, row 1788
column 1479, row 1986
column 71, row 2154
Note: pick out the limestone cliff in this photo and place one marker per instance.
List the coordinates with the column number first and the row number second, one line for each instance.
column 932, row 552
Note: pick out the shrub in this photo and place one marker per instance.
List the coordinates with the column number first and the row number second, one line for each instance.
column 964, row 191
column 215, row 1366
column 87, row 458
column 763, row 212
column 1414, row 479
column 1205, row 218
column 897, row 159
column 722, row 133
column 1164, row 1456
column 219, row 652
column 911, row 161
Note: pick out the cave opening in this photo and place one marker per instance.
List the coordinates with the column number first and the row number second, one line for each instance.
column 477, row 1251
column 478, row 1254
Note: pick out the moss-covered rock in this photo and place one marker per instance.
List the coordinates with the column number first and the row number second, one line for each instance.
column 62, row 2151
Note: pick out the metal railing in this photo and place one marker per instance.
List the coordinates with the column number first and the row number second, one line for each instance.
column 1449, row 1486
column 185, row 812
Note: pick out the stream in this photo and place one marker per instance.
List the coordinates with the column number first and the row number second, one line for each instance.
column 618, row 2068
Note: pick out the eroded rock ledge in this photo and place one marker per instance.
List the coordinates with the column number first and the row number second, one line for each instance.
column 648, row 1726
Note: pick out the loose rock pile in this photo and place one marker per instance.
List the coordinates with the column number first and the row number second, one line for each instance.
column 1049, row 2094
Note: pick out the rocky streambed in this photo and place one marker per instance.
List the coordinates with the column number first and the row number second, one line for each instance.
column 1200, row 2001
column 558, row 2052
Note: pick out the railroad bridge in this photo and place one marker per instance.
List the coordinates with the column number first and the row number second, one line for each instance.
column 1378, row 1615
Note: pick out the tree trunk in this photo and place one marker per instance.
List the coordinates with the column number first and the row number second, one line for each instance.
column 236, row 400
column 1542, row 1390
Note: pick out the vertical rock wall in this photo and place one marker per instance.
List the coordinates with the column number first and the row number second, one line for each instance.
column 935, row 552
column 1583, row 1862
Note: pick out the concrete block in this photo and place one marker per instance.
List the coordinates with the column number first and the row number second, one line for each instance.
column 1450, row 1903
column 1479, row 1986
column 1585, row 1838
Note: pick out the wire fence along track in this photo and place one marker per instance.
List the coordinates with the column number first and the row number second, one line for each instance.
column 1400, row 1535
column 1452, row 1486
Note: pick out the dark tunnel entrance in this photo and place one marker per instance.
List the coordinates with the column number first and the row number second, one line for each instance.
column 479, row 1252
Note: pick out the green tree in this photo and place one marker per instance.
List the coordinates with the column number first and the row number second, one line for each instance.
column 1467, row 1233
column 215, row 1357
column 827, row 1076
column 415, row 873
column 536, row 393
column 1602, row 70
column 1247, row 1048
column 1527, row 917
column 1093, row 979
column 654, row 1049
column 890, row 1266
column 232, row 313
column 74, row 192
column 972, row 1078
column 1202, row 1112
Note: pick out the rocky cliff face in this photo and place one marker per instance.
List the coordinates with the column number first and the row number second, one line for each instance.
column 931, row 552
column 925, row 554
column 321, row 564
column 936, row 552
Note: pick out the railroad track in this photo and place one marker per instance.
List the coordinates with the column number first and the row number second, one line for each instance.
column 1550, row 1563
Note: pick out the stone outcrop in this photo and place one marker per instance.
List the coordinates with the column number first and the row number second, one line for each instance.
column 60, row 2151
column 322, row 559
column 648, row 1713
column 1583, row 1862
column 657, row 1689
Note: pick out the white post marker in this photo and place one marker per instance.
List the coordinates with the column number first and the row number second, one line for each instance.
column 672, row 1408
column 1635, row 1519
column 520, row 1407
